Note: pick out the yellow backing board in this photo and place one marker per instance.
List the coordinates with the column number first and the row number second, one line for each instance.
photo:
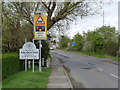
column 43, row 18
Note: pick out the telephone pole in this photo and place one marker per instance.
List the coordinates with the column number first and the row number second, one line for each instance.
column 103, row 17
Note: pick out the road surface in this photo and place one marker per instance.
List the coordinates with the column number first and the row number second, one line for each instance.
column 91, row 72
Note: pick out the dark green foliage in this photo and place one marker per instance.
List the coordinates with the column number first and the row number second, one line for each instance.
column 45, row 50
column 79, row 40
column 110, row 37
column 63, row 42
column 10, row 64
column 102, row 40
column 96, row 41
column 111, row 48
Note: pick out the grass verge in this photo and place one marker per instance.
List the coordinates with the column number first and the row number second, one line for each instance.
column 28, row 79
column 95, row 55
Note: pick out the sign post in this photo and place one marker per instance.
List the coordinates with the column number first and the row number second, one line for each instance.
column 26, row 65
column 33, row 59
column 40, row 56
column 26, row 59
column 40, row 31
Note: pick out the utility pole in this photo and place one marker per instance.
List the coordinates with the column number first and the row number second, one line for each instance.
column 103, row 17
column 102, row 13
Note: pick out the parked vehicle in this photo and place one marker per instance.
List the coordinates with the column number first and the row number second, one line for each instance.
column 51, row 48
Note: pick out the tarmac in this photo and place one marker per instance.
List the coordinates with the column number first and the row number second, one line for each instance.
column 58, row 77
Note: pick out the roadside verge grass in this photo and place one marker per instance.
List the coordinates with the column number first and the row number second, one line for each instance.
column 95, row 55
column 28, row 79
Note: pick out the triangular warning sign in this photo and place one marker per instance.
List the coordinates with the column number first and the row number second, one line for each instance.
column 40, row 20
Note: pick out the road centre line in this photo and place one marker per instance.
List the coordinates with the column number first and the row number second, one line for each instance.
column 62, row 54
column 99, row 69
column 96, row 68
column 114, row 76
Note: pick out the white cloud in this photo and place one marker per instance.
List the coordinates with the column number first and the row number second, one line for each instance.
column 92, row 22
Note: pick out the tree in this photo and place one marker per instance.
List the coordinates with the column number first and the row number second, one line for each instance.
column 110, row 37
column 79, row 41
column 102, row 40
column 14, row 14
column 95, row 40
column 63, row 42
column 56, row 11
column 11, row 29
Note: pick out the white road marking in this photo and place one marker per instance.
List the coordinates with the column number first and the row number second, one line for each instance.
column 86, row 63
column 114, row 76
column 62, row 54
column 99, row 69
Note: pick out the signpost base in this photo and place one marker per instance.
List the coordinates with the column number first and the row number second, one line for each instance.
column 33, row 65
column 25, row 65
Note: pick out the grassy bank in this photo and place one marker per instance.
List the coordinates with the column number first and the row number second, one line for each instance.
column 95, row 55
column 28, row 79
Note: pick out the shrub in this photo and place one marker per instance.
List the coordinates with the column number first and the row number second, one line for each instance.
column 79, row 41
column 10, row 64
column 45, row 51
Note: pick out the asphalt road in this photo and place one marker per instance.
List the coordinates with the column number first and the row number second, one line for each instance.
column 90, row 71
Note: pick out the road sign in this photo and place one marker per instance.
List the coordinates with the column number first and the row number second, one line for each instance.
column 40, row 27
column 29, row 51
column 73, row 43
column 40, row 20
column 48, row 39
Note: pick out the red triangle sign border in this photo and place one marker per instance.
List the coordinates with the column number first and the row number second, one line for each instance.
column 42, row 20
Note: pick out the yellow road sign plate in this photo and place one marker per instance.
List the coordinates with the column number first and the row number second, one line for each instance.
column 40, row 27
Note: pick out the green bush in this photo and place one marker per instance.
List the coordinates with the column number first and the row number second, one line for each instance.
column 45, row 51
column 63, row 42
column 10, row 64
column 79, row 42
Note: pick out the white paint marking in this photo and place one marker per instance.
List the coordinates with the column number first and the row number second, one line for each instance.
column 114, row 76
column 86, row 63
column 62, row 54
column 99, row 69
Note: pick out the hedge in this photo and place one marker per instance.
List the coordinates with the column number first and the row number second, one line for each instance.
column 10, row 64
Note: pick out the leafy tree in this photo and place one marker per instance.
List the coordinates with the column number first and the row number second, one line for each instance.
column 11, row 29
column 63, row 41
column 95, row 40
column 102, row 40
column 15, row 15
column 110, row 37
column 79, row 40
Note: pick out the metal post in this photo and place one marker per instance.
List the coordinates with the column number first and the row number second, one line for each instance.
column 25, row 59
column 33, row 65
column 33, row 59
column 26, row 65
column 40, row 56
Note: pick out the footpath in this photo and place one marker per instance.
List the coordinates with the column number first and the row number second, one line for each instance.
column 58, row 77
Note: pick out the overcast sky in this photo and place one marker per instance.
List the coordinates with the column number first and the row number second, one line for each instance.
column 96, row 21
